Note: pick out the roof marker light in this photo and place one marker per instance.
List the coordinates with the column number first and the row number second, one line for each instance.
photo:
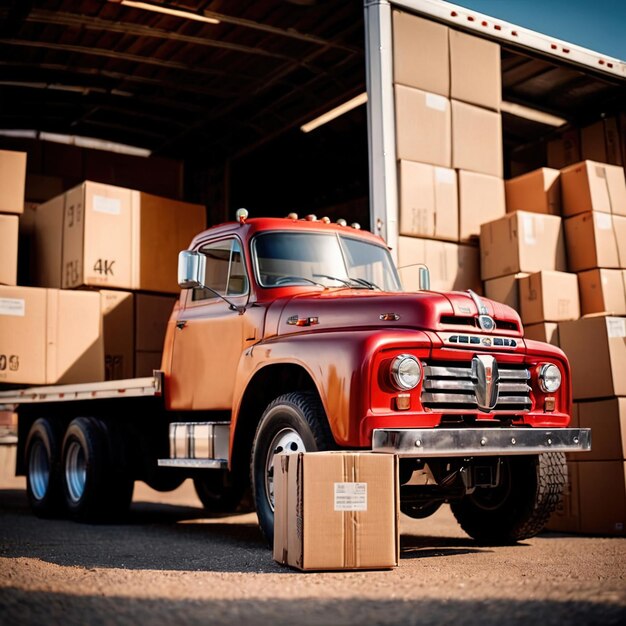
column 242, row 215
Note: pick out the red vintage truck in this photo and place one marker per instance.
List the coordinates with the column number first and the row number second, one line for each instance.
column 295, row 334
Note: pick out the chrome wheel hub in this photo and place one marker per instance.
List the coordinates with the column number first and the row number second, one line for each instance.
column 285, row 440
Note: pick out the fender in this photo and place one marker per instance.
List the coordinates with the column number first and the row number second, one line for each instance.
column 340, row 364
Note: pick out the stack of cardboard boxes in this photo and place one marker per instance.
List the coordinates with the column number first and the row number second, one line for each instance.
column 100, row 282
column 447, row 87
column 559, row 258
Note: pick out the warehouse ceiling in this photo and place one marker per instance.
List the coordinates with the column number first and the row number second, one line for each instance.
column 169, row 83
column 231, row 82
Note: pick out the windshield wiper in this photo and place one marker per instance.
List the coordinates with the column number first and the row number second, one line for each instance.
column 366, row 283
column 353, row 283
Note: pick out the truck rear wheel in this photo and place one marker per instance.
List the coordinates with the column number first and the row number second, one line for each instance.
column 94, row 488
column 294, row 422
column 43, row 468
column 519, row 507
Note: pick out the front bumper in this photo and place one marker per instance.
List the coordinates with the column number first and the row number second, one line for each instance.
column 468, row 442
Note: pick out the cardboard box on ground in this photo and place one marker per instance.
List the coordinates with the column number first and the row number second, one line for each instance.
column 106, row 236
column 336, row 510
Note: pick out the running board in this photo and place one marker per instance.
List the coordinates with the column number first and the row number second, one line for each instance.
column 194, row 463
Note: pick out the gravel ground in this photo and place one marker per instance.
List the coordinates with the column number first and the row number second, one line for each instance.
column 171, row 563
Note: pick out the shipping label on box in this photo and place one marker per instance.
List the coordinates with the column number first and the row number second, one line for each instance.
column 336, row 510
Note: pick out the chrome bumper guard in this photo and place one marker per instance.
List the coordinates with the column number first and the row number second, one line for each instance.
column 467, row 442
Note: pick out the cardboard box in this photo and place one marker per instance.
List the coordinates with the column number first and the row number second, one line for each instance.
column 538, row 192
column 481, row 199
column 549, row 297
column 420, row 54
column 595, row 240
column 607, row 420
column 602, row 497
column 476, row 139
column 12, row 181
column 9, row 229
column 453, row 267
column 336, row 510
column 548, row 332
column 475, row 73
column 602, row 291
column 505, row 289
column 428, row 201
column 423, row 127
column 564, row 150
column 100, row 235
column 50, row 336
column 134, row 329
column 522, row 242
column 591, row 186
column 601, row 142
column 596, row 349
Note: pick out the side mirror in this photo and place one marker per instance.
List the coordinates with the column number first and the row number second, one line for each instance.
column 191, row 269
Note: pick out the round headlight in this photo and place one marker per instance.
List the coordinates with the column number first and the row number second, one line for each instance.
column 406, row 372
column 549, row 378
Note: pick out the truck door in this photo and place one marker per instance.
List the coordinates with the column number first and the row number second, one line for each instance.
column 209, row 335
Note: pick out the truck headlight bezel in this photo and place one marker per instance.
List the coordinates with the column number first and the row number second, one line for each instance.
column 405, row 372
column 550, row 378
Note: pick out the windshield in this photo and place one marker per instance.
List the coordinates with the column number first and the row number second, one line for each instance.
column 329, row 260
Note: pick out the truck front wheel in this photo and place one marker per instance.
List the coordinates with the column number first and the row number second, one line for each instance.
column 94, row 488
column 519, row 507
column 43, row 468
column 294, row 422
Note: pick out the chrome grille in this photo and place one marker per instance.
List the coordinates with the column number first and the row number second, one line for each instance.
column 451, row 386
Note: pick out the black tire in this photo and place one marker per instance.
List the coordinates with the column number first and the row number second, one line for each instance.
column 95, row 487
column 219, row 494
column 296, row 420
column 530, row 490
column 43, row 468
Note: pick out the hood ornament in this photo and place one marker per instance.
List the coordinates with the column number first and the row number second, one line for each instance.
column 485, row 321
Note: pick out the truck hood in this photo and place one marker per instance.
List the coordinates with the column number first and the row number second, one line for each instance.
column 351, row 309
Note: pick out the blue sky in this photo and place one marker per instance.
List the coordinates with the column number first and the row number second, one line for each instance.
column 596, row 24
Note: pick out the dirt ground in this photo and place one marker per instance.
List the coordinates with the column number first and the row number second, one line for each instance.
column 171, row 563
